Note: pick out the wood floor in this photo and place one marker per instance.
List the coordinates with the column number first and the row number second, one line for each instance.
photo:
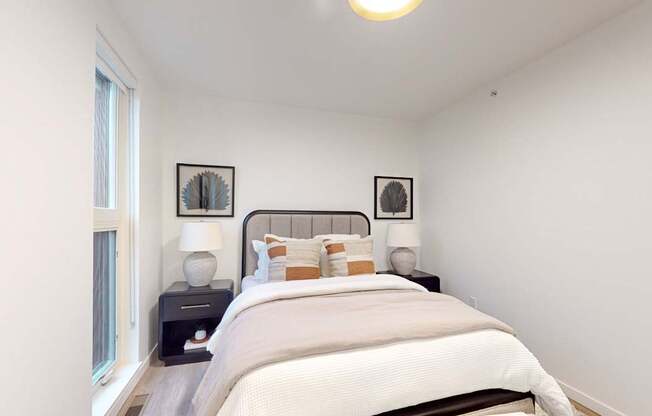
column 167, row 391
column 582, row 410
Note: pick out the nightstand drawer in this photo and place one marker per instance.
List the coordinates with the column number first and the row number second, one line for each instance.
column 179, row 308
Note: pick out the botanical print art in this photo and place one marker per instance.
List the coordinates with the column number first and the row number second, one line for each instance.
column 205, row 191
column 393, row 197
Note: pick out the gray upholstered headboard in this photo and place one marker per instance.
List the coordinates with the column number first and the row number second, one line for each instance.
column 297, row 224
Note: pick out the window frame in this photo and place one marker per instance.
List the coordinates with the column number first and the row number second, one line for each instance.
column 122, row 218
column 110, row 218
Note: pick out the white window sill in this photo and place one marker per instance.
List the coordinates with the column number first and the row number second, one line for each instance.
column 105, row 396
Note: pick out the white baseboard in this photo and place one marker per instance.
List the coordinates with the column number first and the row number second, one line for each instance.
column 588, row 401
column 115, row 408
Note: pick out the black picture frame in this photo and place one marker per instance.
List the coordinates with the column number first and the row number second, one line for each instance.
column 180, row 166
column 410, row 202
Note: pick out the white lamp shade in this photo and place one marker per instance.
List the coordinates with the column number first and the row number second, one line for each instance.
column 403, row 235
column 200, row 236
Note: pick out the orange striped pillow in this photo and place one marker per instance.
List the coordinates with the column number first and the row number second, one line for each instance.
column 350, row 257
column 293, row 259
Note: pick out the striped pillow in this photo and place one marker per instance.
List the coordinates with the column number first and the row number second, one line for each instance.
column 293, row 259
column 350, row 257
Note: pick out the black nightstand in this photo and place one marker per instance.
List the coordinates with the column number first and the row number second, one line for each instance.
column 181, row 309
column 427, row 280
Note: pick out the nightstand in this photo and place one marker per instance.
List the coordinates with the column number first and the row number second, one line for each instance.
column 181, row 309
column 427, row 280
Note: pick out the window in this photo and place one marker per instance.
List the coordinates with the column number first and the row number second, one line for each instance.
column 105, row 142
column 110, row 219
column 104, row 302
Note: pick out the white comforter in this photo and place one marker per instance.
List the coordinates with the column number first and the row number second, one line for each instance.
column 374, row 380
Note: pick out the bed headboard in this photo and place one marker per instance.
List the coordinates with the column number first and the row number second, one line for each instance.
column 297, row 224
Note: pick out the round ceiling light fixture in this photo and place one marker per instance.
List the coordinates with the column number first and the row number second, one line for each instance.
column 381, row 10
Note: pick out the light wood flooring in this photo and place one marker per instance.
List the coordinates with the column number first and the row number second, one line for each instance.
column 167, row 391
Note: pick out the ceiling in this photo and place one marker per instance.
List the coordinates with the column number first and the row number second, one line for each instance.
column 319, row 54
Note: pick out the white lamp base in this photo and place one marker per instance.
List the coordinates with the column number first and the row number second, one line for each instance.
column 403, row 261
column 199, row 268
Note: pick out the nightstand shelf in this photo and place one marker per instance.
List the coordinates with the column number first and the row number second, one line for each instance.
column 181, row 310
column 427, row 280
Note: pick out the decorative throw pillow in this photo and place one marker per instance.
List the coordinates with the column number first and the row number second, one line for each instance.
column 293, row 259
column 350, row 257
column 323, row 262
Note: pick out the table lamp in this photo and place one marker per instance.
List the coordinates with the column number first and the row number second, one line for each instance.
column 403, row 236
column 199, row 238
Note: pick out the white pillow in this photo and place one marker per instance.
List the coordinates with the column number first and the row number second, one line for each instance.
column 338, row 237
column 262, row 270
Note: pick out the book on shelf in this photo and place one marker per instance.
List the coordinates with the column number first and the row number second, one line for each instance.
column 190, row 346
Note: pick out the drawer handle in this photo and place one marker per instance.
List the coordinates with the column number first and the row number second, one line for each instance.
column 203, row 305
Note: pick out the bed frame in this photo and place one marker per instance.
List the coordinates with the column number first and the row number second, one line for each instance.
column 307, row 224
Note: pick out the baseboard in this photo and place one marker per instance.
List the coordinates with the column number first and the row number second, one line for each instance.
column 588, row 401
column 117, row 405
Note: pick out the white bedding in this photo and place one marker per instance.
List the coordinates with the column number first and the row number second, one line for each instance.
column 249, row 282
column 370, row 381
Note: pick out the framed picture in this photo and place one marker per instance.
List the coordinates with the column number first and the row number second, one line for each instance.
column 205, row 190
column 393, row 198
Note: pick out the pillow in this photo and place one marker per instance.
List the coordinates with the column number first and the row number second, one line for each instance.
column 293, row 259
column 261, row 272
column 339, row 237
column 262, row 268
column 323, row 262
column 350, row 257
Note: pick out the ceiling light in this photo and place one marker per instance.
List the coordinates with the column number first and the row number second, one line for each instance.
column 381, row 10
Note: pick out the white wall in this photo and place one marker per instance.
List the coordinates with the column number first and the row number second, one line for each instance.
column 46, row 78
column 538, row 202
column 150, row 99
column 285, row 158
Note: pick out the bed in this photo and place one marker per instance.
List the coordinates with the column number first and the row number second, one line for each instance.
column 482, row 370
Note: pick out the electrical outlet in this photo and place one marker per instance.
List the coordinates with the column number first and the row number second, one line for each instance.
column 473, row 302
